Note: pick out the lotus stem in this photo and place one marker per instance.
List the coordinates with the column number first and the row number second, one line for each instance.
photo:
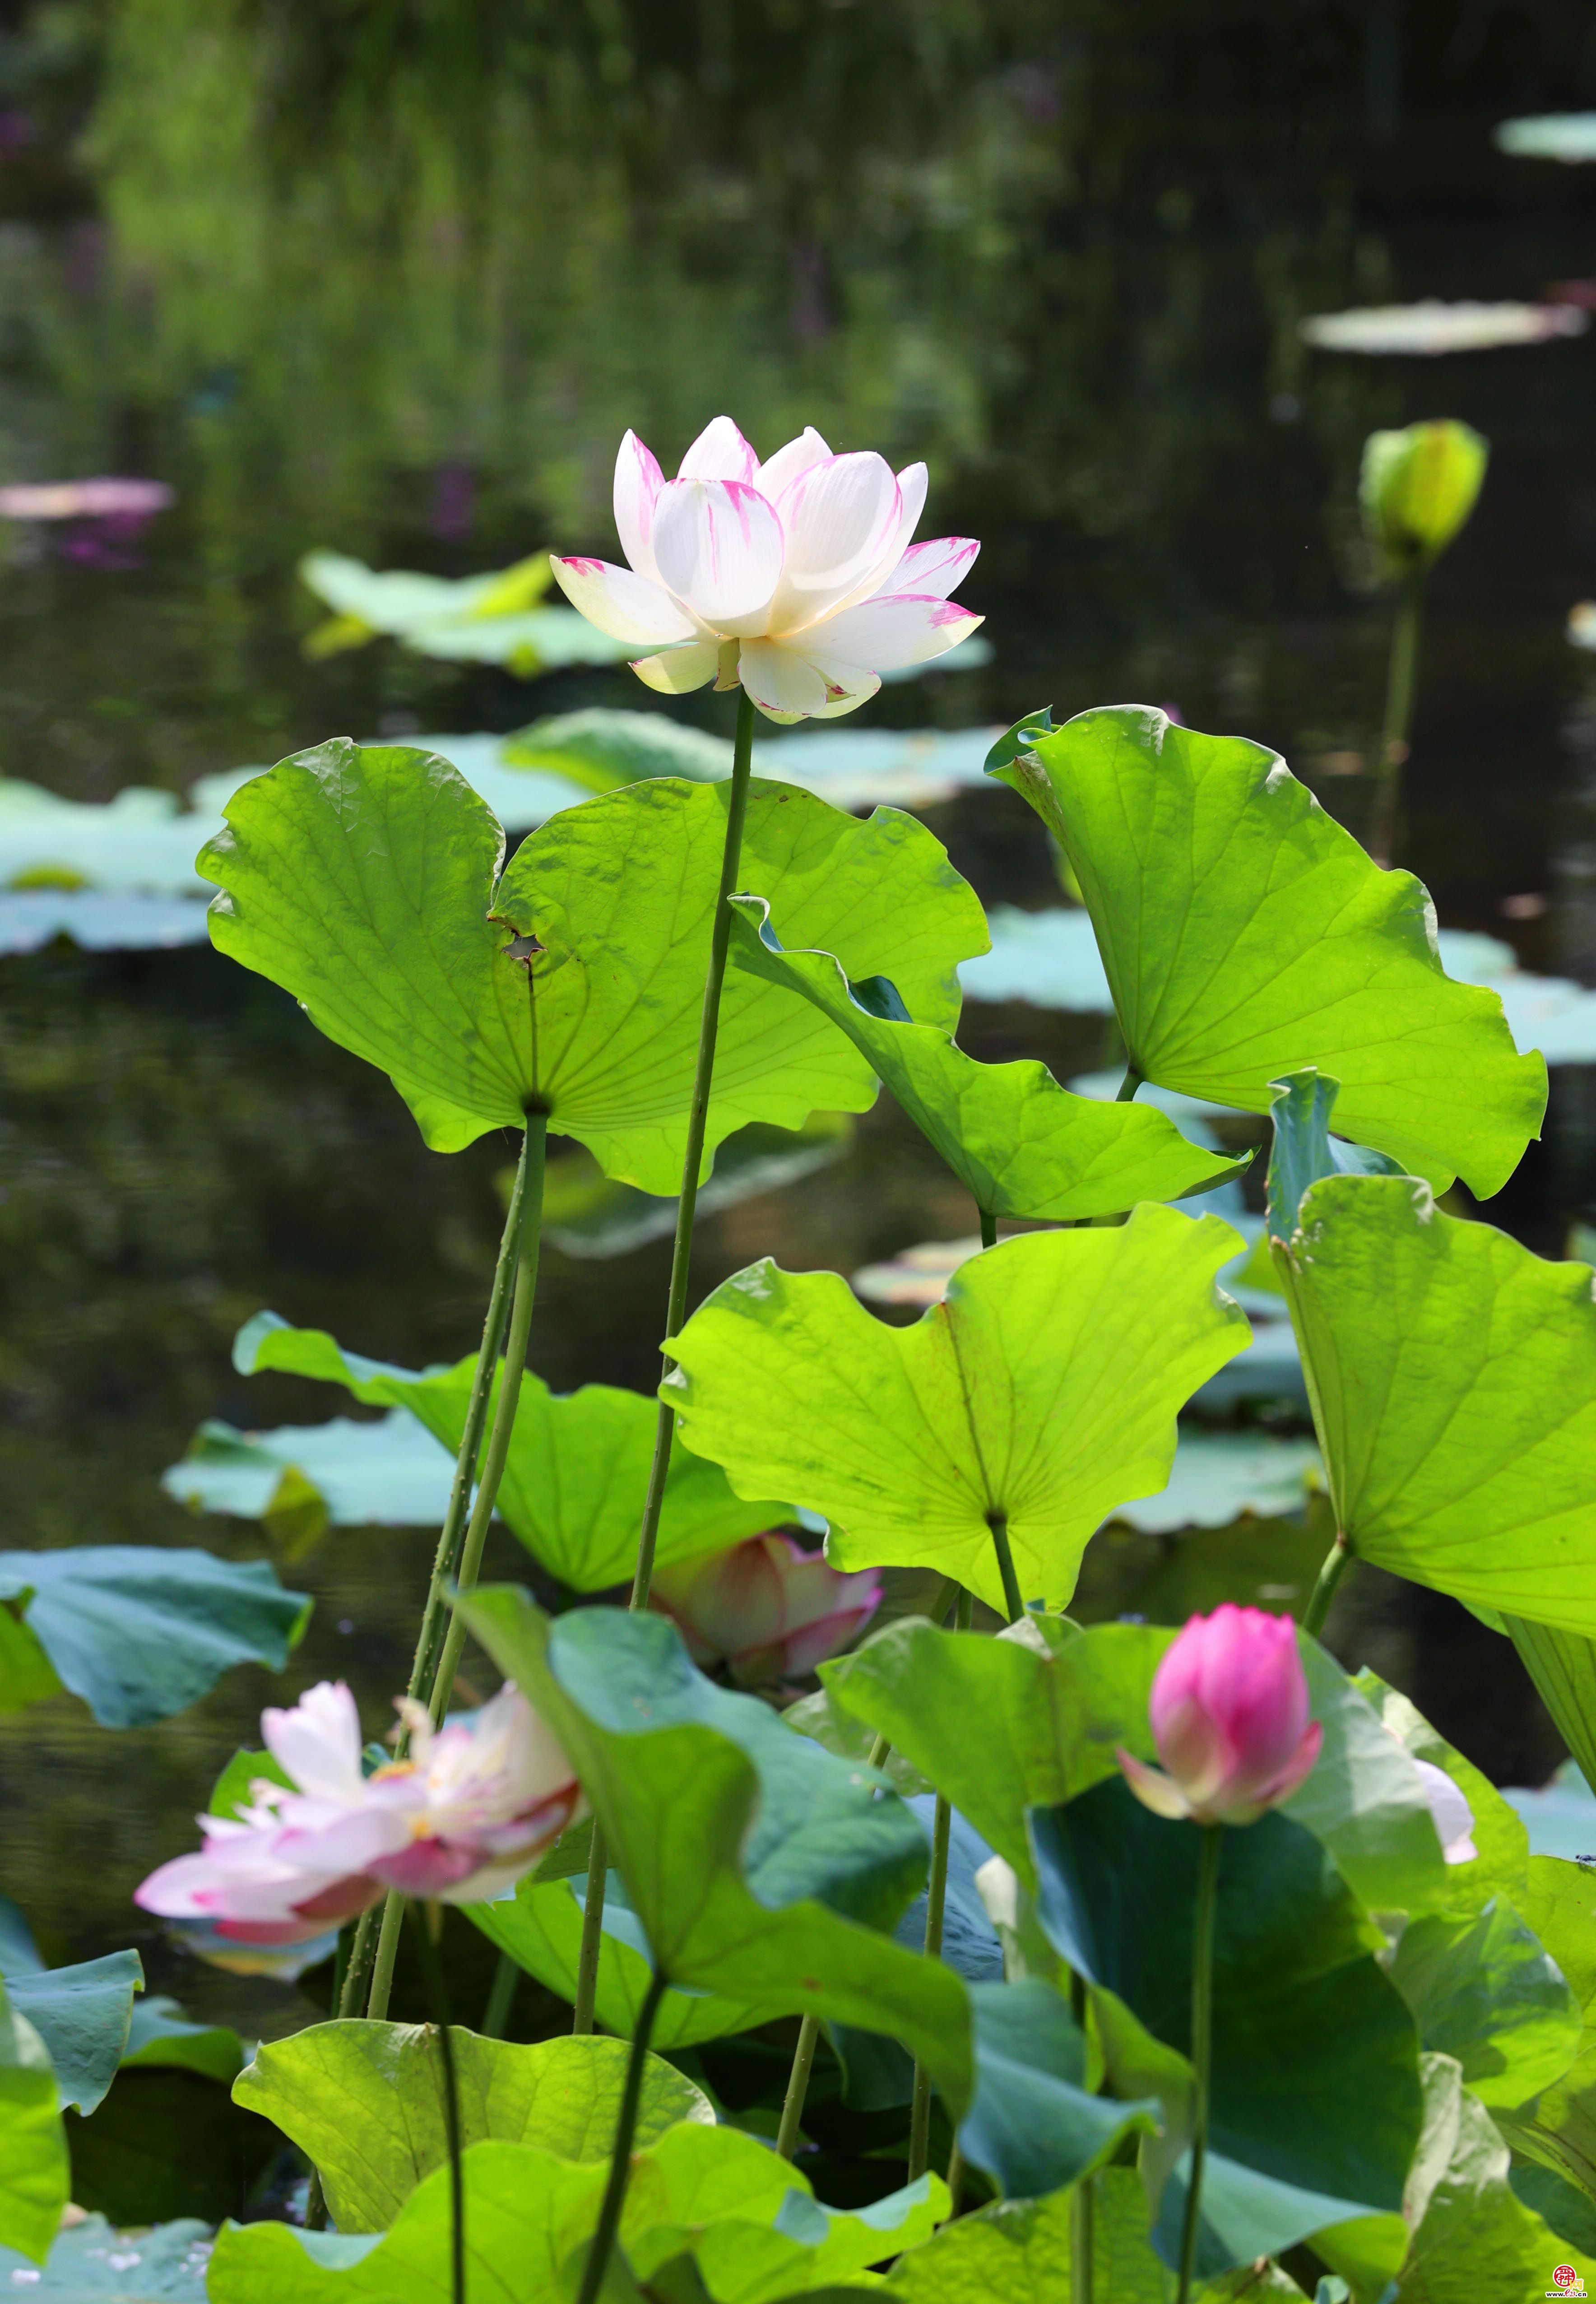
column 1083, row 2200
column 1385, row 821
column 954, row 2182
column 989, row 1229
column 509, row 1393
column 798, row 2087
column 936, row 1900
column 676, row 1301
column 425, row 1918
column 1324, row 1590
column 621, row 2156
column 1128, row 1086
column 501, row 1998
column 358, row 1971
column 1203, row 1933
column 999, row 1524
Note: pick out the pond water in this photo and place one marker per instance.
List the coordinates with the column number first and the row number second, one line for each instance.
column 393, row 282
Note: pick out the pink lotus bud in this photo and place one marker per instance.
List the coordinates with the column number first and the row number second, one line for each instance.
column 470, row 1810
column 766, row 1607
column 1229, row 1713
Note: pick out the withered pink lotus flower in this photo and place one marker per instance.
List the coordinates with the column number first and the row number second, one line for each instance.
column 768, row 1609
column 797, row 579
column 470, row 1811
column 1229, row 1712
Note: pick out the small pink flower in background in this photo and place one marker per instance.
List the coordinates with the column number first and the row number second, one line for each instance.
column 100, row 499
column 1229, row 1712
column 470, row 1811
column 767, row 1608
column 797, row 579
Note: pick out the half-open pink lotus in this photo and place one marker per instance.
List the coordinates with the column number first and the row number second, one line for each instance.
column 765, row 1608
column 797, row 579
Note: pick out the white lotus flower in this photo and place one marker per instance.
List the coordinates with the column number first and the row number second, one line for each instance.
column 796, row 578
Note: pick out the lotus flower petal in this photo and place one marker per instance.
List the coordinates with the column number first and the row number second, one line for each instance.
column 888, row 633
column 623, row 603
column 718, row 546
column 1229, row 1715
column 720, row 452
column 678, row 671
column 933, row 569
column 317, row 1743
column 780, row 471
column 841, row 521
column 638, row 481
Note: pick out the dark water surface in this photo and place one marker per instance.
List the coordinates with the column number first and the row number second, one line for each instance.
column 393, row 280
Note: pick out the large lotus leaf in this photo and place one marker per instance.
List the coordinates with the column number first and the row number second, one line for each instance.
column 1035, row 1716
column 1296, row 1989
column 302, row 1478
column 1453, row 1375
column 81, row 2015
column 540, row 1926
column 1483, row 1989
column 365, row 2102
column 93, row 2263
column 139, row 1631
column 1034, row 2125
column 34, row 2172
column 1475, row 2238
column 1559, row 2130
column 780, row 1852
column 1563, row 1666
column 497, row 618
column 529, row 2213
column 578, row 1464
column 160, row 2037
column 1044, row 1387
column 602, row 749
column 1245, row 934
column 1024, row 1146
column 363, row 881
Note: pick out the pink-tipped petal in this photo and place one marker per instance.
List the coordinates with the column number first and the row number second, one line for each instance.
column 720, row 452
column 841, row 521
column 717, row 544
column 779, row 472
column 623, row 603
column 884, row 635
column 779, row 680
column 678, row 671
column 1152, row 1787
column 859, row 689
column 935, row 568
column 638, row 481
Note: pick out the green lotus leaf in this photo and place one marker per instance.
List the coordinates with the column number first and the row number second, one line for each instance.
column 602, row 749
column 1296, row 1989
column 1021, row 1144
column 367, row 882
column 140, row 1631
column 34, row 2173
column 95, row 2264
column 365, row 2102
column 1475, row 2238
column 711, row 2194
column 1563, row 1666
column 540, row 1926
column 1501, row 1866
column 578, row 1465
column 1034, row 2125
column 791, row 1850
column 1483, row 1989
column 1245, row 934
column 161, row 2038
column 1044, row 1388
column 81, row 2015
column 1559, row 2130
column 1453, row 1380
column 1036, row 1717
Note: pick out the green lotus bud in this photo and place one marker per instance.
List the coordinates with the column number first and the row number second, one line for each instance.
column 1417, row 489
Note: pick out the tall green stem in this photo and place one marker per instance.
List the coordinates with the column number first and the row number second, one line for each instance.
column 437, row 1995
column 936, row 1900
column 1208, row 1877
column 501, row 1999
column 1083, row 2200
column 1398, row 718
column 357, row 1971
column 528, row 1235
column 798, row 2087
column 999, row 1524
column 1324, row 1590
column 620, row 2157
column 989, row 1229
column 676, row 1301
column 1128, row 1086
